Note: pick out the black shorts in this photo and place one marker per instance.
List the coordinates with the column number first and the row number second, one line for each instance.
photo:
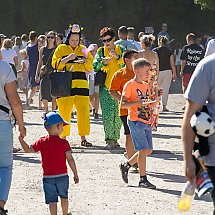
column 125, row 124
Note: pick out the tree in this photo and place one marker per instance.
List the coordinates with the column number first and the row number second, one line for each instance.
column 206, row 4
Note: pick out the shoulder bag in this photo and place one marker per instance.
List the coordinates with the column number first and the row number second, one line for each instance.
column 61, row 82
column 100, row 76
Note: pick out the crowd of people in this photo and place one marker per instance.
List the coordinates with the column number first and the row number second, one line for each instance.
column 138, row 78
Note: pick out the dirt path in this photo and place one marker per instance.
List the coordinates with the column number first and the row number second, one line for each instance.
column 101, row 190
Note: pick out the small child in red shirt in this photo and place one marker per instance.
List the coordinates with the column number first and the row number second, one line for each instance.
column 54, row 152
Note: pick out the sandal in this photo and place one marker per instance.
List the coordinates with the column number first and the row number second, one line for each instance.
column 86, row 143
column 15, row 150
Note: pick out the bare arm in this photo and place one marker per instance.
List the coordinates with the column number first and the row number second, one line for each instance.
column 40, row 62
column 25, row 146
column 172, row 63
column 16, row 105
column 15, row 59
column 115, row 94
column 183, row 63
column 188, row 137
column 71, row 162
column 125, row 104
column 68, row 58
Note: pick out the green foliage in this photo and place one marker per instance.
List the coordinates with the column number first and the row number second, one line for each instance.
column 206, row 4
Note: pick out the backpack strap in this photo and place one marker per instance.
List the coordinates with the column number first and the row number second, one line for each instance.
column 3, row 108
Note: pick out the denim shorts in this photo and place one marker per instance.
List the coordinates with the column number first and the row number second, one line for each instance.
column 141, row 134
column 54, row 187
column 6, row 158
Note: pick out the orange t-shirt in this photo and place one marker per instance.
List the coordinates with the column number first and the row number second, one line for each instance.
column 120, row 78
column 135, row 91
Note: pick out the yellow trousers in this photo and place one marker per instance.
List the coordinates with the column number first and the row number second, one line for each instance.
column 81, row 104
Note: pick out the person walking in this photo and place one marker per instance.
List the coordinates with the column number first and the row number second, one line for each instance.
column 136, row 97
column 109, row 59
column 45, row 58
column 167, row 70
column 9, row 55
column 190, row 56
column 64, row 57
column 18, row 47
column 200, row 92
column 120, row 78
column 10, row 104
column 55, row 153
column 146, row 52
column 33, row 57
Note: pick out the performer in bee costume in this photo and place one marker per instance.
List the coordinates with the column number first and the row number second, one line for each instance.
column 73, row 57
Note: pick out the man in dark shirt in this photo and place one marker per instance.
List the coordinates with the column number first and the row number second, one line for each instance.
column 190, row 56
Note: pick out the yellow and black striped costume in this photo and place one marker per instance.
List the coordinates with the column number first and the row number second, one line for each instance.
column 79, row 91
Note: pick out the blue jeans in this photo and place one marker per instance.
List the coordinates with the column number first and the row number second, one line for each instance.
column 141, row 135
column 6, row 158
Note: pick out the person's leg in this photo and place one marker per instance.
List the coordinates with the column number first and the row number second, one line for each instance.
column 117, row 124
column 107, row 104
column 83, row 115
column 6, row 160
column 64, row 206
column 53, row 208
column 166, row 85
column 96, row 95
column 51, row 194
column 65, row 105
column 54, row 104
column 92, row 102
column 62, row 184
column 46, row 105
column 211, row 172
column 129, row 147
column 31, row 94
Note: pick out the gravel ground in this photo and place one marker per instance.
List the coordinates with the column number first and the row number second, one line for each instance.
column 101, row 190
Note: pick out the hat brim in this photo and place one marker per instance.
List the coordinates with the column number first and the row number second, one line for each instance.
column 66, row 123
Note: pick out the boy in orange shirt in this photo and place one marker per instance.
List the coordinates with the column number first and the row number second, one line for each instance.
column 120, row 78
column 136, row 97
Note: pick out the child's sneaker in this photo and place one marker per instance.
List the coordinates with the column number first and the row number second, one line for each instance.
column 147, row 184
column 124, row 171
column 3, row 212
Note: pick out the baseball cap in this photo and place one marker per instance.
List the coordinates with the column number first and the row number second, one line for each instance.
column 53, row 118
column 2, row 36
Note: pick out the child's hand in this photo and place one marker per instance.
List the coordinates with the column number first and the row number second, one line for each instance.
column 76, row 179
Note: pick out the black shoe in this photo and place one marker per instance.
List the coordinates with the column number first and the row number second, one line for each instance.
column 124, row 172
column 3, row 212
column 146, row 184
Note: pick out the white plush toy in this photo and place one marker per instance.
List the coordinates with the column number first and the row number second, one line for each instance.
column 203, row 126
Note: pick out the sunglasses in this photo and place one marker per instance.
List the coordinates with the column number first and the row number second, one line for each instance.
column 50, row 37
column 107, row 40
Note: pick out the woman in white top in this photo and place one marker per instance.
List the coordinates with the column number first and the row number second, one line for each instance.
column 9, row 55
column 17, row 47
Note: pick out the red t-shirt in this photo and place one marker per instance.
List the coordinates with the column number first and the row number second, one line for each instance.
column 53, row 152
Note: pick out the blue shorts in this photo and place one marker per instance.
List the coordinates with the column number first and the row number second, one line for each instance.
column 141, row 134
column 54, row 187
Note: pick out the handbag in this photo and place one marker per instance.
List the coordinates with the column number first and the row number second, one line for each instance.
column 100, row 76
column 61, row 83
